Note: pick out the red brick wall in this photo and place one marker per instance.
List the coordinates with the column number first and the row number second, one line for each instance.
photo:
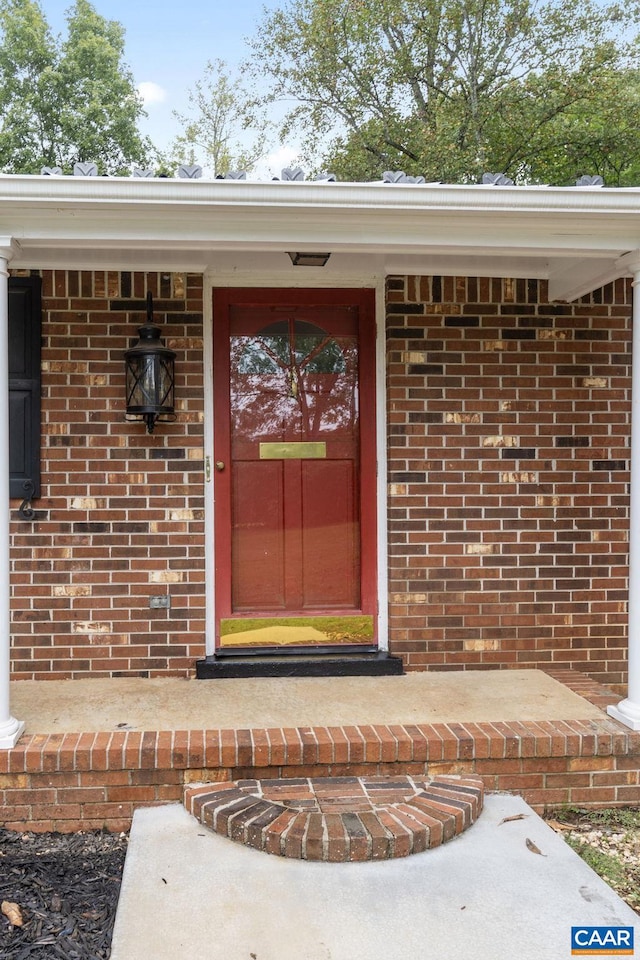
column 121, row 513
column 508, row 457
column 508, row 474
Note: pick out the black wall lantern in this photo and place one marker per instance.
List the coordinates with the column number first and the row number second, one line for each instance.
column 150, row 369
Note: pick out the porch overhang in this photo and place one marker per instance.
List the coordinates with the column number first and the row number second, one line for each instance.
column 574, row 237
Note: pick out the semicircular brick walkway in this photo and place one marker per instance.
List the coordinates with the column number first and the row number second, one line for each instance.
column 339, row 818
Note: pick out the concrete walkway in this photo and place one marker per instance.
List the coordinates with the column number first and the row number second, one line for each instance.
column 484, row 896
column 69, row 706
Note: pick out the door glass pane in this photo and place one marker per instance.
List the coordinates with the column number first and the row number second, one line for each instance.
column 292, row 380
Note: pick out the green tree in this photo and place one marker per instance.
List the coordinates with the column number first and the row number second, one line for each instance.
column 64, row 102
column 223, row 130
column 27, row 85
column 452, row 88
column 597, row 134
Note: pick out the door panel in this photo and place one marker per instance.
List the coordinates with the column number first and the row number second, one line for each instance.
column 293, row 383
column 257, row 553
column 330, row 531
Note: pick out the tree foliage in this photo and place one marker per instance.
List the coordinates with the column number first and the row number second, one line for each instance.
column 63, row 102
column 453, row 88
column 214, row 130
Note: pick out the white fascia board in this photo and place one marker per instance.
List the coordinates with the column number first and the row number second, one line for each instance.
column 164, row 192
column 263, row 231
column 368, row 229
column 208, row 205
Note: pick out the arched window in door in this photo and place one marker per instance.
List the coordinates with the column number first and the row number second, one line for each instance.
column 294, row 377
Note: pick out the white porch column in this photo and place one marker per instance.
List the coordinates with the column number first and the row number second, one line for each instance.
column 628, row 711
column 10, row 728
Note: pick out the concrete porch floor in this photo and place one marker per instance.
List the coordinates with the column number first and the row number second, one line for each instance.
column 95, row 751
column 72, row 706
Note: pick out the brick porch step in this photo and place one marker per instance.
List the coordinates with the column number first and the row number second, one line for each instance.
column 339, row 818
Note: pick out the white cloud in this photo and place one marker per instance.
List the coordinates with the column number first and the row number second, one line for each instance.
column 151, row 92
column 273, row 164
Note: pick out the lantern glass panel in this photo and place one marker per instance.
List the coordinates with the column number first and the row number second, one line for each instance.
column 150, row 387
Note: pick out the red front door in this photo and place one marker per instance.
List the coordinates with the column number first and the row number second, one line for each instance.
column 295, row 467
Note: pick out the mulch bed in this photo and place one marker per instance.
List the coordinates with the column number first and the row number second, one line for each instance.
column 67, row 888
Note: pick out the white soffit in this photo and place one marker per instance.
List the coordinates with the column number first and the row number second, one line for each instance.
column 573, row 236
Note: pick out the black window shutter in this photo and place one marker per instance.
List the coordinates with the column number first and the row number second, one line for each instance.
column 25, row 322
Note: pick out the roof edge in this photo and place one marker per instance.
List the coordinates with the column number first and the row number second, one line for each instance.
column 378, row 195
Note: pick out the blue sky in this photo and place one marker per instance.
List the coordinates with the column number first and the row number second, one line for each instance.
column 168, row 43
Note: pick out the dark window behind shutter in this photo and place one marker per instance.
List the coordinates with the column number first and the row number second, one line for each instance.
column 25, row 320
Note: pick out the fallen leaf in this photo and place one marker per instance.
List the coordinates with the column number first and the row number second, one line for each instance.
column 516, row 816
column 12, row 912
column 531, row 846
column 560, row 827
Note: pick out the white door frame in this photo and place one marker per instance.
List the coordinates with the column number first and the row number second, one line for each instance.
column 309, row 279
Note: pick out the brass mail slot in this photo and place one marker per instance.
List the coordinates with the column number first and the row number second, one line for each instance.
column 301, row 450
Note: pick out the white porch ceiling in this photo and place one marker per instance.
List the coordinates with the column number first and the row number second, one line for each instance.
column 575, row 237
